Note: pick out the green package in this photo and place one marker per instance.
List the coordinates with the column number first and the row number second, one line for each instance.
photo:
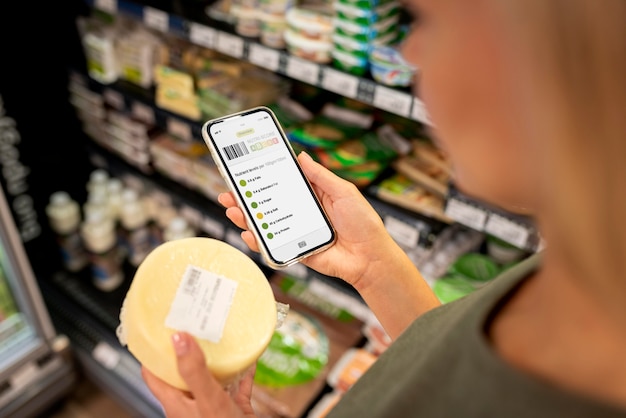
column 324, row 132
column 357, row 151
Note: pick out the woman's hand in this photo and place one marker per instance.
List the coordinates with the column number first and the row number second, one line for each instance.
column 361, row 235
column 364, row 254
column 206, row 398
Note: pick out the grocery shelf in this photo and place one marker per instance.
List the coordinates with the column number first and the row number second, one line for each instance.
column 514, row 229
column 204, row 32
column 94, row 341
column 517, row 230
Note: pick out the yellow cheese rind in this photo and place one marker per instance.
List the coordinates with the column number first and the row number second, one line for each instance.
column 249, row 326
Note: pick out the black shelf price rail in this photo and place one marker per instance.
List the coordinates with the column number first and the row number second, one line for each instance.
column 206, row 34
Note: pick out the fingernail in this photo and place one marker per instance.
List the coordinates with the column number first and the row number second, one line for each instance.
column 180, row 344
column 306, row 155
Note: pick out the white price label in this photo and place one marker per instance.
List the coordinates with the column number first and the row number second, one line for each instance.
column 264, row 57
column 107, row 5
column 202, row 35
column 392, row 100
column 507, row 230
column 212, row 227
column 303, row 70
column 143, row 112
column 419, row 112
column 230, row 44
column 156, row 19
column 340, row 83
column 201, row 304
column 106, row 355
column 403, row 233
column 179, row 129
column 114, row 99
column 466, row 214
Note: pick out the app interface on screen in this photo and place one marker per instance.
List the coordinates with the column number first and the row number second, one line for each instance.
column 270, row 184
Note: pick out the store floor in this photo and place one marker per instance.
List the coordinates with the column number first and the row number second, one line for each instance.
column 87, row 401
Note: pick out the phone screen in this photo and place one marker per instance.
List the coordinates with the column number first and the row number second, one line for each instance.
column 270, row 185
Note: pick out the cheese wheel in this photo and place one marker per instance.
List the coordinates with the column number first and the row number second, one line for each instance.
column 229, row 295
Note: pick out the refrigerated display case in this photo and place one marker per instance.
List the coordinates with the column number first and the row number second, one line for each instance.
column 36, row 368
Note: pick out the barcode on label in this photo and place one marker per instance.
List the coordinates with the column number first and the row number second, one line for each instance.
column 235, row 150
column 192, row 278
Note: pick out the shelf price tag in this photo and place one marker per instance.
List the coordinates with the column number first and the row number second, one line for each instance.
column 303, row 70
column 107, row 5
column 340, row 83
column 403, row 233
column 264, row 57
column 507, row 230
column 419, row 112
column 230, row 44
column 156, row 19
column 106, row 355
column 179, row 129
column 466, row 214
column 114, row 99
column 202, row 35
column 394, row 101
column 143, row 112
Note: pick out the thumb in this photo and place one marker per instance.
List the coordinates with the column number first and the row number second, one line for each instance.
column 202, row 385
column 322, row 178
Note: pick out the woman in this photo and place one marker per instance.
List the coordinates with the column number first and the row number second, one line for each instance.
column 528, row 98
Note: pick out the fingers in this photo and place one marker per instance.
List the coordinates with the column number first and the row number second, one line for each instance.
column 323, row 179
column 236, row 216
column 242, row 399
column 227, row 199
column 248, row 238
column 204, row 388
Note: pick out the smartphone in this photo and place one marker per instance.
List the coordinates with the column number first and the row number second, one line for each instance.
column 257, row 162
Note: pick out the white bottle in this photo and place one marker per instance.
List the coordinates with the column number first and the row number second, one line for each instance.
column 97, row 200
column 64, row 217
column 178, row 228
column 98, row 233
column 134, row 221
column 98, row 180
column 115, row 190
column 162, row 219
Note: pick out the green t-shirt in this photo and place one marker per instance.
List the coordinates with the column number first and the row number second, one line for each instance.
column 443, row 366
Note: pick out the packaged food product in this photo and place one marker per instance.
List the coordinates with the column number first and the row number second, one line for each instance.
column 420, row 171
column 350, row 368
column 370, row 147
column 366, row 16
column 503, row 252
column 248, row 20
column 402, row 191
column 273, row 27
column 361, row 175
column 292, row 400
column 207, row 288
column 350, row 63
column 451, row 287
column 275, row 7
column 365, row 33
column 475, row 266
column 324, row 132
column 389, row 67
column 310, row 24
column 308, row 49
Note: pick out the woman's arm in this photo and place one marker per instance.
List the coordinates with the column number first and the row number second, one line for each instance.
column 364, row 254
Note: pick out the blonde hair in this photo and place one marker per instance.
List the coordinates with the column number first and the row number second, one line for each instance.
column 574, row 54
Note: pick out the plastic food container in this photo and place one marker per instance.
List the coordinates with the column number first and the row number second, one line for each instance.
column 309, row 24
column 350, row 63
column 248, row 23
column 388, row 67
column 362, row 16
column 312, row 50
column 278, row 7
column 367, row 32
column 273, row 27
